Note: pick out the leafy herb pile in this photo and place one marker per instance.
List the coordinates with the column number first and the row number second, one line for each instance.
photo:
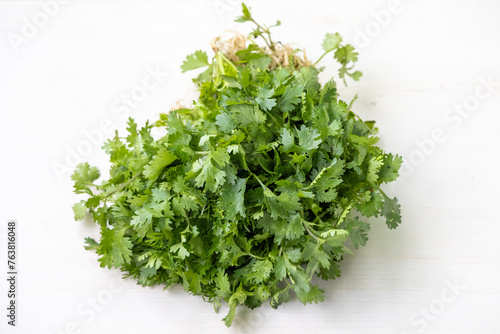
column 254, row 190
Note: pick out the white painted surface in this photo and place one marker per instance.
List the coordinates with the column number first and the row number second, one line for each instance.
column 428, row 58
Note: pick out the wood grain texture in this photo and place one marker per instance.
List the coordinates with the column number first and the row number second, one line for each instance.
column 63, row 84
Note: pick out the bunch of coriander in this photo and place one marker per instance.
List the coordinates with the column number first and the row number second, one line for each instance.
column 255, row 189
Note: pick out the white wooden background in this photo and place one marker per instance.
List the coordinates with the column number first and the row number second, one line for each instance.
column 425, row 68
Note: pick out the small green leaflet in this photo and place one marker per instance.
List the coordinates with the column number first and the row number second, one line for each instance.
column 392, row 212
column 232, row 199
column 331, row 41
column 291, row 98
column 194, row 61
column 389, row 170
column 79, row 210
column 264, row 99
column 159, row 162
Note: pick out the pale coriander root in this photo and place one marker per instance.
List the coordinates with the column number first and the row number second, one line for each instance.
column 283, row 54
column 229, row 43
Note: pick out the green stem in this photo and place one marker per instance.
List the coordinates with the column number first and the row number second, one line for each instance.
column 270, row 44
column 382, row 192
column 308, row 228
column 255, row 256
column 319, row 217
column 257, row 178
column 324, row 54
column 230, row 63
column 274, row 119
column 123, row 185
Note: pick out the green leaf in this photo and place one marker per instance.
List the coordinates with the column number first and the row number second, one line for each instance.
column 280, row 268
column 238, row 297
column 356, row 75
column 246, row 14
column 358, row 231
column 284, row 205
column 294, row 228
column 321, row 121
column 374, row 165
column 84, row 176
column 79, row 210
column 163, row 158
column 307, row 138
column 264, row 99
column 346, row 54
column 260, row 63
column 195, row 60
column 142, row 220
column 282, row 296
column 329, row 177
column 389, row 171
column 232, row 201
column 328, row 93
column 290, row 98
column 175, row 123
column 392, row 212
column 220, row 156
column 247, row 114
column 262, row 270
column 288, row 140
column 209, row 175
column 180, row 250
column 331, row 41
column 115, row 249
column 307, row 77
column 335, row 233
column 225, row 122
column 293, row 254
column 223, row 284
column 91, row 244
column 132, row 130
column 300, row 280
column 373, row 206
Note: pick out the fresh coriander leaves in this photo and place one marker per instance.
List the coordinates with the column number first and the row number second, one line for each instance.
column 254, row 190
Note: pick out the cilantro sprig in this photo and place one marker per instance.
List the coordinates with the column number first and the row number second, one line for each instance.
column 257, row 188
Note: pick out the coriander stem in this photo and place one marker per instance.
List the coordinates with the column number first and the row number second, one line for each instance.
column 270, row 43
column 257, row 178
column 382, row 192
column 255, row 256
column 309, row 231
column 227, row 60
column 324, row 54
column 274, row 119
column 320, row 216
column 307, row 227
column 124, row 185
